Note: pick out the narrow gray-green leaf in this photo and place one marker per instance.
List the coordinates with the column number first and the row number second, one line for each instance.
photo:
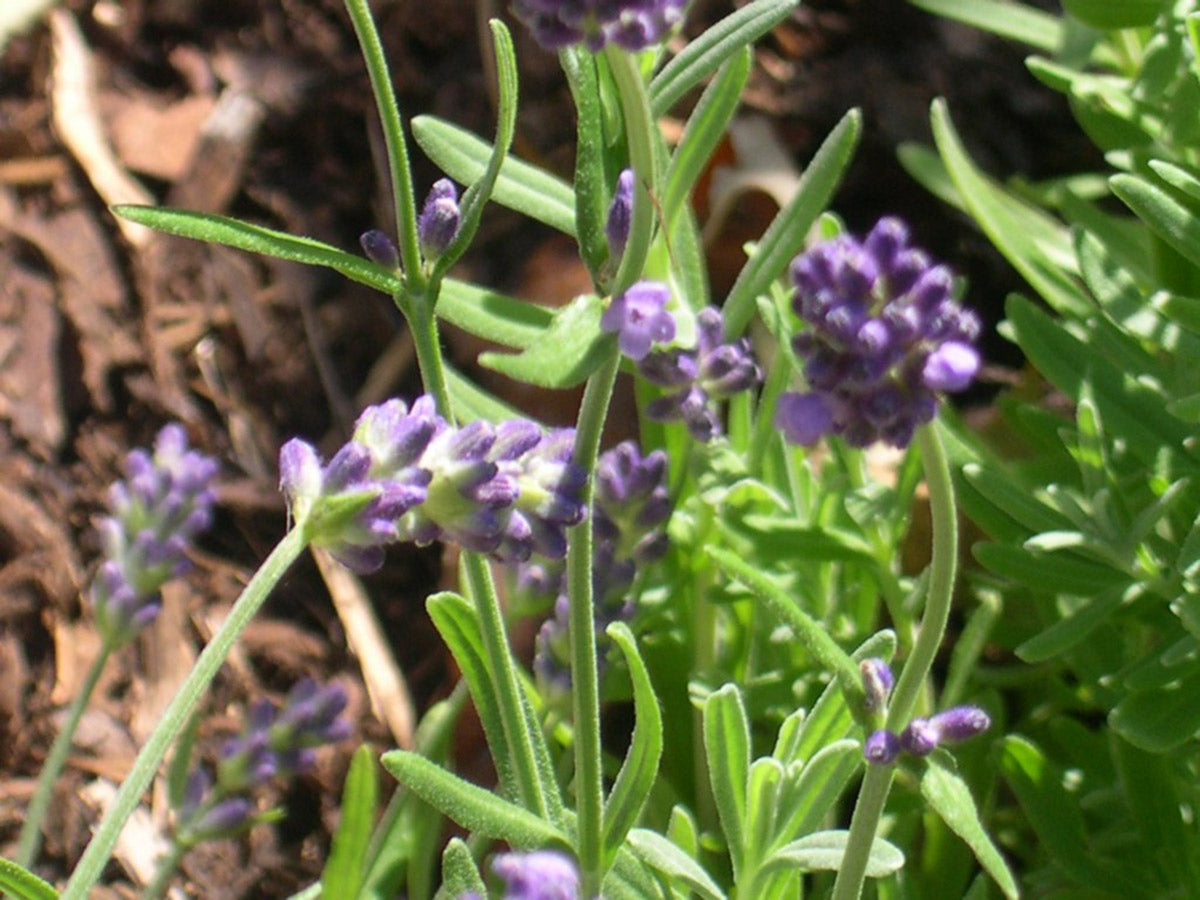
column 824, row 850
column 471, row 402
column 948, row 796
column 22, row 884
column 591, row 189
column 1166, row 215
column 520, row 186
column 474, row 808
column 1072, row 629
column 1163, row 718
column 660, row 854
column 491, row 315
column 639, row 771
column 785, row 236
column 727, row 749
column 565, row 355
column 1108, row 14
column 344, row 869
column 460, row 876
column 702, row 56
column 1015, row 21
column 808, row 797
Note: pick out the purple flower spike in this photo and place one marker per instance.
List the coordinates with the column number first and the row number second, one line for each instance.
column 884, row 337
column 156, row 513
column 639, row 318
column 437, row 225
column 881, row 748
column 698, row 378
column 630, row 24
column 877, row 683
column 540, row 875
column 620, row 215
column 960, row 723
column 550, row 489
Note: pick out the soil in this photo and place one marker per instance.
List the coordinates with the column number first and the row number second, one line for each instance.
column 262, row 110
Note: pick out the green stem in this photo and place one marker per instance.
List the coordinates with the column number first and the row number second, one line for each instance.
column 944, row 556
column 30, row 841
column 581, row 631
column 174, row 719
column 393, row 136
column 423, row 325
column 167, row 866
column 639, row 134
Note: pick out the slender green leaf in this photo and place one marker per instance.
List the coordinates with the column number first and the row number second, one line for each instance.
column 22, row 884
column 497, row 317
column 480, row 191
column 1111, row 14
column 704, row 55
column 727, row 748
column 785, row 236
column 474, row 808
column 1053, row 572
column 1015, row 21
column 823, row 851
column 591, row 188
column 345, row 868
column 1160, row 719
column 639, row 771
column 460, row 876
column 1166, row 215
column 567, row 353
column 660, row 854
column 471, row 402
column 1072, row 629
column 948, row 796
column 458, row 624
column 1177, row 177
column 520, row 186
column 1037, row 245
column 763, row 788
column 707, row 125
column 809, row 795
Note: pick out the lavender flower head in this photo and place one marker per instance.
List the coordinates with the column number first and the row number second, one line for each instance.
column 273, row 742
column 630, row 24
column 157, row 511
column 540, row 875
column 881, row 748
column 959, row 723
column 639, row 318
column 698, row 378
column 439, row 219
column 379, row 249
column 353, row 504
column 885, row 336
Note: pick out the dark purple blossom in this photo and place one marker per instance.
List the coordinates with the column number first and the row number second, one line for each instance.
column 630, row 24
column 620, row 215
column 379, row 249
column 697, row 378
column 540, row 875
column 440, row 217
column 156, row 512
column 956, row 724
column 639, row 318
column 882, row 747
column 884, row 337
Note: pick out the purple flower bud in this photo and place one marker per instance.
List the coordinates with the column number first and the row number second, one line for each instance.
column 225, row 819
column 164, row 502
column 639, row 318
column 881, row 748
column 960, row 723
column 920, row 738
column 437, row 225
column 620, row 215
column 379, row 249
column 877, row 683
column 884, row 337
column 630, row 24
column 804, row 418
column 540, row 875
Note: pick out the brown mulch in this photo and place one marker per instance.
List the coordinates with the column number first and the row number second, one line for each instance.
column 261, row 110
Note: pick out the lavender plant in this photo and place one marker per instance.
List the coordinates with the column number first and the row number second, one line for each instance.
column 732, row 572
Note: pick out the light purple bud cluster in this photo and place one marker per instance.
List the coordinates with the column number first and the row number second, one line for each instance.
column 639, row 318
column 630, row 24
column 631, row 508
column 885, row 336
column 540, row 875
column 698, row 378
column 508, row 490
column 273, row 742
column 439, row 219
column 620, row 215
column 156, row 513
column 922, row 736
